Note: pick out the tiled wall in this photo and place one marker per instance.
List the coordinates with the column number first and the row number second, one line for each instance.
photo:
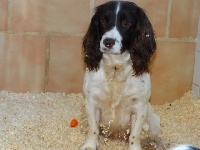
column 196, row 77
column 40, row 45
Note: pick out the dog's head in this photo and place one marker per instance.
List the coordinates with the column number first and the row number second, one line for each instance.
column 119, row 26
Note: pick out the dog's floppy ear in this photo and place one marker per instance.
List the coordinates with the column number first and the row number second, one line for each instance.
column 143, row 43
column 91, row 41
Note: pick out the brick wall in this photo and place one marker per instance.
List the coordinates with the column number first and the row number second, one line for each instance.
column 40, row 45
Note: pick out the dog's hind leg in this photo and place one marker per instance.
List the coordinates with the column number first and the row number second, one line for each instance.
column 153, row 121
column 154, row 130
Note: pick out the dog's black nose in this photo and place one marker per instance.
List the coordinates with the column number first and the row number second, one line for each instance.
column 109, row 42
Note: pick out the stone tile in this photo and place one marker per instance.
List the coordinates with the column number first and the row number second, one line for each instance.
column 3, row 14
column 156, row 11
column 63, row 16
column 172, row 71
column 66, row 71
column 196, row 91
column 196, row 78
column 198, row 46
column 99, row 2
column 198, row 37
column 198, row 34
column 22, row 63
column 184, row 18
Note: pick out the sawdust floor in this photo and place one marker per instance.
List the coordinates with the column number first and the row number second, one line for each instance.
column 42, row 121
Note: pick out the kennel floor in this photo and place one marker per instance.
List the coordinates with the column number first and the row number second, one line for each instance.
column 42, row 121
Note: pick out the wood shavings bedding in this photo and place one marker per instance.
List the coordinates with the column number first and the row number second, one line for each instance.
column 42, row 121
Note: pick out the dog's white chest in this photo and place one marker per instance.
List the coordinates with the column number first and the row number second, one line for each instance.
column 114, row 83
column 115, row 90
column 113, row 74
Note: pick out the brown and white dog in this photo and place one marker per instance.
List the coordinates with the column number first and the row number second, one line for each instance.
column 118, row 47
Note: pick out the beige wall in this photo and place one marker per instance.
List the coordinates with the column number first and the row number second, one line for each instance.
column 40, row 45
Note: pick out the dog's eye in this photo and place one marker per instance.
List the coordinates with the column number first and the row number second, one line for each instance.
column 103, row 21
column 126, row 23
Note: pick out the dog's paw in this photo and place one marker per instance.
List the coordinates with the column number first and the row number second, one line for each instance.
column 134, row 145
column 89, row 146
column 162, row 143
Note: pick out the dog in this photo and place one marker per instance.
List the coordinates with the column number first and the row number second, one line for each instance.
column 185, row 147
column 118, row 47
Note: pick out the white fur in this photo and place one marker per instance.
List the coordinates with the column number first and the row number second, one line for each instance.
column 118, row 8
column 113, row 34
column 114, row 95
column 117, row 11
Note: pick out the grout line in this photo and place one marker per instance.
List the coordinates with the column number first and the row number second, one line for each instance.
column 168, row 18
column 9, row 15
column 47, row 60
column 196, row 85
column 91, row 8
column 67, row 34
column 190, row 39
column 40, row 33
column 176, row 39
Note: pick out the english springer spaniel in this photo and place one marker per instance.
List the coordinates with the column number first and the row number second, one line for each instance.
column 118, row 47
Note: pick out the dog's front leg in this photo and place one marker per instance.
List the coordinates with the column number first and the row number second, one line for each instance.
column 93, row 115
column 137, row 122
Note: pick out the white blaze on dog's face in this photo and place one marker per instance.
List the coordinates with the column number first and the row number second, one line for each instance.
column 111, row 41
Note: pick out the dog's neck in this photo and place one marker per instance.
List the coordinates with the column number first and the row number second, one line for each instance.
column 117, row 66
